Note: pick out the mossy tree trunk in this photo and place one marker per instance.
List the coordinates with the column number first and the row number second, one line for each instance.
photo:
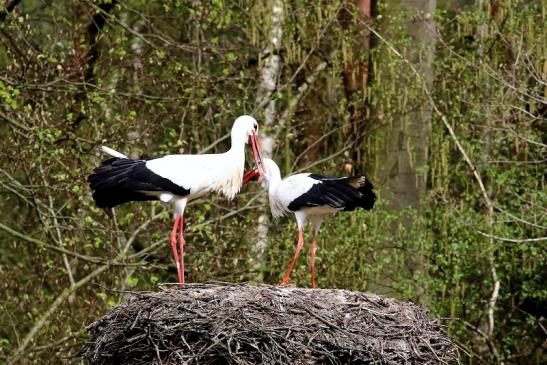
column 402, row 138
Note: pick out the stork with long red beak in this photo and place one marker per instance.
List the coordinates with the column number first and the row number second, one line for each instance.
column 311, row 197
column 177, row 179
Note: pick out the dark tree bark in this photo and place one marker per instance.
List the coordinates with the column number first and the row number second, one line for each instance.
column 357, row 69
column 8, row 9
column 82, row 69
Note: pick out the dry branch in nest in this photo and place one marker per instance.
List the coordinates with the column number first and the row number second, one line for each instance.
column 242, row 324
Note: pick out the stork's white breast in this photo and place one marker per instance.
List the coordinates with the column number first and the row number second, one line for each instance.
column 193, row 172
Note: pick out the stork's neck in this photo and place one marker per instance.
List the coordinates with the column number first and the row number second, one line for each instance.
column 232, row 164
column 273, row 177
column 238, row 146
column 236, row 155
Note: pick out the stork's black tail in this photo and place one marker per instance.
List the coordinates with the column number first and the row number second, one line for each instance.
column 366, row 201
column 119, row 180
column 346, row 193
column 363, row 196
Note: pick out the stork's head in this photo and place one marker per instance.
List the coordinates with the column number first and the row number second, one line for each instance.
column 245, row 130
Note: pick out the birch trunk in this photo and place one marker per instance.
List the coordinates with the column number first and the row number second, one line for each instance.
column 269, row 75
column 487, row 324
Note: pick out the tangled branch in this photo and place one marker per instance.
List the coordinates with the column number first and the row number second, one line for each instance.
column 241, row 324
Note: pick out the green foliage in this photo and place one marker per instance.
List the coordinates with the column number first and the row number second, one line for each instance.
column 170, row 77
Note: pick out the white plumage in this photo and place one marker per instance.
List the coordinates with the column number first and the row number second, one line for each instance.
column 219, row 173
column 283, row 192
column 312, row 197
column 176, row 179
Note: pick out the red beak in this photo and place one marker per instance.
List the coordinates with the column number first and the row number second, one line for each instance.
column 251, row 175
column 256, row 154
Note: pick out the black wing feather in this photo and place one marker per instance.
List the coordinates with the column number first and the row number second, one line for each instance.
column 336, row 192
column 119, row 180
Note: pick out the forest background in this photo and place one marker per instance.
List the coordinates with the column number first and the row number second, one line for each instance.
column 441, row 104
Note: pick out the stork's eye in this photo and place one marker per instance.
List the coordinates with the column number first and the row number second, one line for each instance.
column 255, row 126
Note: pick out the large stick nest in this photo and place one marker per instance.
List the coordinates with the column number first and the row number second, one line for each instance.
column 241, row 324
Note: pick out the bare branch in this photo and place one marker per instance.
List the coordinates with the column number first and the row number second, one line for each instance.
column 302, row 90
column 44, row 318
column 523, row 240
column 13, row 122
column 42, row 244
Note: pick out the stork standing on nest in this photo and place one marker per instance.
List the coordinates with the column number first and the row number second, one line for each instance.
column 311, row 197
column 177, row 179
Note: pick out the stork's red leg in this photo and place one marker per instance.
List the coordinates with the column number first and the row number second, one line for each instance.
column 313, row 249
column 173, row 241
column 181, row 249
column 298, row 248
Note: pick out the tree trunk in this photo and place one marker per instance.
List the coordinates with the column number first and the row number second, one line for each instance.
column 403, row 142
column 403, row 172
column 486, row 325
column 269, row 75
column 357, row 69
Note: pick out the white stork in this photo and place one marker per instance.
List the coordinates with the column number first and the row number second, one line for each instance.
column 176, row 179
column 311, row 197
